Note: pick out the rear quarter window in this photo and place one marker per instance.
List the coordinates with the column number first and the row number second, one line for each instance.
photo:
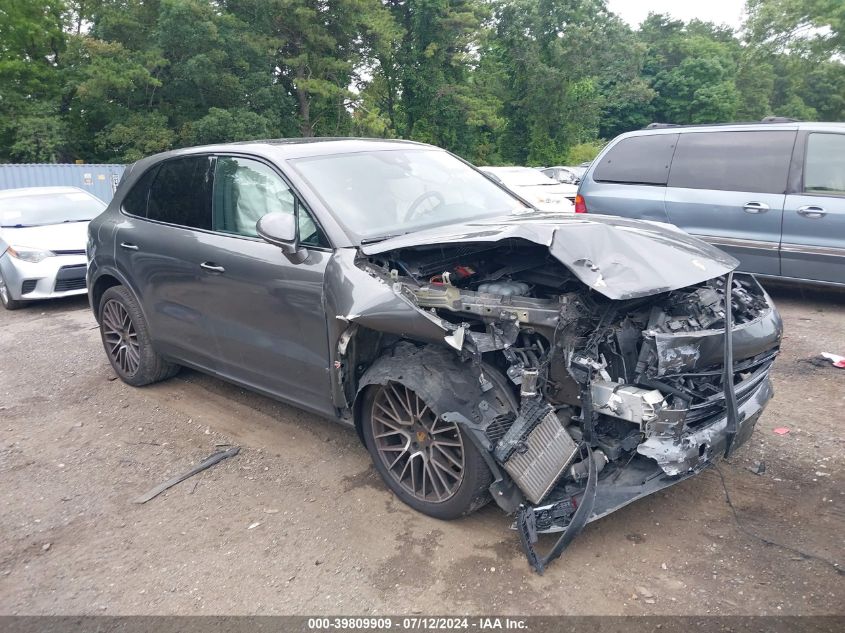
column 756, row 162
column 638, row 160
column 135, row 201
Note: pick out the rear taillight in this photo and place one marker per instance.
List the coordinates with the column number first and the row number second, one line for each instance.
column 580, row 205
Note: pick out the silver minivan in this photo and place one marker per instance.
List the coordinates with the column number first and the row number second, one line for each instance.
column 772, row 194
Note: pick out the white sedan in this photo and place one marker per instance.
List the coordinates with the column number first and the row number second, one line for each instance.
column 43, row 232
column 540, row 190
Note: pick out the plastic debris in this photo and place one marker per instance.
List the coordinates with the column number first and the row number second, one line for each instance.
column 838, row 361
column 781, row 430
column 206, row 463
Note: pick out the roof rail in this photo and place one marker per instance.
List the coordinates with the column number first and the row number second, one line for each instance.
column 778, row 119
column 657, row 126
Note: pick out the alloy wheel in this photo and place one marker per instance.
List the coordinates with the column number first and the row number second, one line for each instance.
column 422, row 452
column 120, row 337
column 4, row 291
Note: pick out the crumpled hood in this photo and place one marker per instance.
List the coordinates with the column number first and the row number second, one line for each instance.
column 618, row 257
column 71, row 236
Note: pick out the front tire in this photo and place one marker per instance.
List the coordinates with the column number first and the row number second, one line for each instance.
column 6, row 298
column 126, row 339
column 430, row 464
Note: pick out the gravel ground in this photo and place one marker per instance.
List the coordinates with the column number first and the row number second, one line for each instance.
column 299, row 522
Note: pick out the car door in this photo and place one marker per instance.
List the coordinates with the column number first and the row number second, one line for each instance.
column 268, row 314
column 729, row 188
column 158, row 247
column 813, row 243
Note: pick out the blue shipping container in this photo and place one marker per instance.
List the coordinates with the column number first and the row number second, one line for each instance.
column 100, row 180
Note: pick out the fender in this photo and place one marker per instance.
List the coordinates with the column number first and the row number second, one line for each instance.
column 112, row 271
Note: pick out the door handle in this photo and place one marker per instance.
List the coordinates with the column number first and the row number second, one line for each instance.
column 812, row 212
column 755, row 207
column 129, row 246
column 212, row 267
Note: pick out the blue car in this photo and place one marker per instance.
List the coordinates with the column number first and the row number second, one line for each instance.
column 772, row 194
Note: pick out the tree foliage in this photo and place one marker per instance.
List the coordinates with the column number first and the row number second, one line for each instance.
column 496, row 81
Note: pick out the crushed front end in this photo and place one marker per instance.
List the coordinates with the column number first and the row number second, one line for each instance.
column 614, row 398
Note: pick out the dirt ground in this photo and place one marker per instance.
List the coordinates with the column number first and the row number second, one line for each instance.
column 300, row 523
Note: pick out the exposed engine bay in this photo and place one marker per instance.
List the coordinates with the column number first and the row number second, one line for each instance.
column 616, row 398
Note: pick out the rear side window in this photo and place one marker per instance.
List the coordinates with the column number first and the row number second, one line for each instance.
column 824, row 171
column 181, row 192
column 756, row 162
column 135, row 202
column 638, row 160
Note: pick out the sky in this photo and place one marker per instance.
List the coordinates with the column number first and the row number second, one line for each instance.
column 719, row 11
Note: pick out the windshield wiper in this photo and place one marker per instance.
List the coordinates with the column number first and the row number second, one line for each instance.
column 380, row 238
column 17, row 226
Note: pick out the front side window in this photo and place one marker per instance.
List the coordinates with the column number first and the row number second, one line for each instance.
column 383, row 192
column 756, row 162
column 181, row 192
column 245, row 190
column 824, row 170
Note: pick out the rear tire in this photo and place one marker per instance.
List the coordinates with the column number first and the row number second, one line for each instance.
column 6, row 298
column 126, row 339
column 440, row 474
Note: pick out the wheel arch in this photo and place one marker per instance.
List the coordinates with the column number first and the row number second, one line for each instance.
column 103, row 283
column 110, row 278
column 441, row 378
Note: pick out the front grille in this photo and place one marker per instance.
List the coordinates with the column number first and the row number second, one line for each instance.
column 704, row 411
column 71, row 252
column 28, row 286
column 70, row 278
column 63, row 285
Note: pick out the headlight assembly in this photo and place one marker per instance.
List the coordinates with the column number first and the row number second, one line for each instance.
column 32, row 255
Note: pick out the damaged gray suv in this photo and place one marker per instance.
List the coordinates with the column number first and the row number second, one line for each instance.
column 562, row 366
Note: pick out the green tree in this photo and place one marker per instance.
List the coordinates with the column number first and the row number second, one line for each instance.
column 816, row 26
column 692, row 68
column 32, row 46
column 556, row 62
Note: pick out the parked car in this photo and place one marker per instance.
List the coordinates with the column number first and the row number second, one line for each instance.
column 565, row 175
column 42, row 242
column 540, row 190
column 772, row 194
column 561, row 365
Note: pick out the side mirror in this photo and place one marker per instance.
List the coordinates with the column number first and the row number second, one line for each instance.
column 279, row 229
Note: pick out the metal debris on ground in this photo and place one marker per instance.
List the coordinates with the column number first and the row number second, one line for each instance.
column 758, row 468
column 208, row 462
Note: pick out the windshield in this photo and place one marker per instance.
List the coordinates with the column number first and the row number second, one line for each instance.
column 526, row 177
column 54, row 208
column 390, row 192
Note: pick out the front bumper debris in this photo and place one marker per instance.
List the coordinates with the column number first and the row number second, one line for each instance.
column 662, row 461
